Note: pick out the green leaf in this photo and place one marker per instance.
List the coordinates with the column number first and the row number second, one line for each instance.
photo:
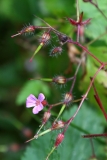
column 60, row 10
column 98, row 23
column 73, row 146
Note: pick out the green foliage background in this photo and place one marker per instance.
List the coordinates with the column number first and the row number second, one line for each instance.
column 15, row 86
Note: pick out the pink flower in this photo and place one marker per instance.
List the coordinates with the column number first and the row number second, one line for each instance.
column 32, row 101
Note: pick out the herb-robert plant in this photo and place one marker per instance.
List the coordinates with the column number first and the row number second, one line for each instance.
column 38, row 104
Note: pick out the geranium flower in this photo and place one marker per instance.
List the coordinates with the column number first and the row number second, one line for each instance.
column 32, row 101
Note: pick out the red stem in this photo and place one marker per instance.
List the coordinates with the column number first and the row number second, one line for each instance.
column 84, row 97
column 85, row 49
column 95, row 135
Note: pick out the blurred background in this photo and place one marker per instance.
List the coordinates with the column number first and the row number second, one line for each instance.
column 18, row 124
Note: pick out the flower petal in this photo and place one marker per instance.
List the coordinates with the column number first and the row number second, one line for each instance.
column 41, row 97
column 40, row 107
column 30, row 102
column 35, row 110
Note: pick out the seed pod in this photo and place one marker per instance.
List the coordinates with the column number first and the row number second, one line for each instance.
column 68, row 98
column 55, row 51
column 60, row 80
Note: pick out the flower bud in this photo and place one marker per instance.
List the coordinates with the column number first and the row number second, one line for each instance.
column 55, row 51
column 46, row 117
column 60, row 80
column 58, row 125
column 59, row 139
column 68, row 98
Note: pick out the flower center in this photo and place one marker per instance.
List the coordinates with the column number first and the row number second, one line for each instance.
column 37, row 102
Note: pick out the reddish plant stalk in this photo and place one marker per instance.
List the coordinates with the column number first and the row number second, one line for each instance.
column 95, row 135
column 84, row 97
column 99, row 101
column 85, row 49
